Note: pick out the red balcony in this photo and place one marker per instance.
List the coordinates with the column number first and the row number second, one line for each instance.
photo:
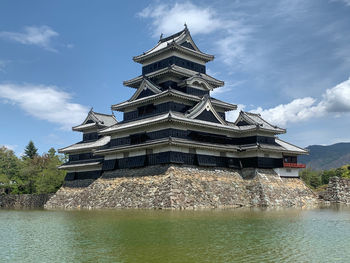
column 294, row 165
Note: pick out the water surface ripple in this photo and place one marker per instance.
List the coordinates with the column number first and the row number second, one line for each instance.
column 240, row 235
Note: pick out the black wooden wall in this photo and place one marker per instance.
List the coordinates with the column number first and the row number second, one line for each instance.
column 190, row 135
column 192, row 159
column 173, row 60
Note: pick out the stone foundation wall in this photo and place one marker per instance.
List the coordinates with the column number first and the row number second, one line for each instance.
column 24, row 200
column 183, row 187
column 338, row 190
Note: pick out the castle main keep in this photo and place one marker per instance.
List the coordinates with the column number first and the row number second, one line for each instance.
column 172, row 120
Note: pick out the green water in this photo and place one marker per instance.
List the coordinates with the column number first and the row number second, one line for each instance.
column 288, row 235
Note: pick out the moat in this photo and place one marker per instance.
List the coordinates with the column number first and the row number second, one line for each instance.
column 234, row 235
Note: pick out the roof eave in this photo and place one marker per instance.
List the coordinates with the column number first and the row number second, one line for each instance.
column 133, row 83
column 98, row 126
column 122, row 106
column 144, row 57
column 79, row 165
column 170, row 141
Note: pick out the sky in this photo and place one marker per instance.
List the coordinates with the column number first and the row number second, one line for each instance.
column 288, row 60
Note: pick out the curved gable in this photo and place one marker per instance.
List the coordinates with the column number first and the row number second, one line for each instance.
column 200, row 82
column 205, row 111
column 145, row 89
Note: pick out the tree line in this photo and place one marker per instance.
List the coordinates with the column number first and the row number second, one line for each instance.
column 319, row 179
column 32, row 173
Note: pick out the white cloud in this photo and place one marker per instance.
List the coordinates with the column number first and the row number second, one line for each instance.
column 233, row 115
column 297, row 110
column 45, row 103
column 229, row 86
column 232, row 48
column 334, row 100
column 168, row 19
column 39, row 36
column 337, row 99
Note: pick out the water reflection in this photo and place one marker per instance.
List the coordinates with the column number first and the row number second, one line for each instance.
column 239, row 235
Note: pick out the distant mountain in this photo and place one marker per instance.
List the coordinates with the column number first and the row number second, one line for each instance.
column 327, row 157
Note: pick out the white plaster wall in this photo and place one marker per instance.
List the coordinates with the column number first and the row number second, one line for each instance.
column 207, row 152
column 114, row 156
column 137, row 153
column 287, row 172
column 270, row 154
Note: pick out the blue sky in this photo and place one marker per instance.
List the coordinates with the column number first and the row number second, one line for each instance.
column 288, row 60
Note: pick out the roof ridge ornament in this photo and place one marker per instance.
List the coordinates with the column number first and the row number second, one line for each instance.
column 161, row 36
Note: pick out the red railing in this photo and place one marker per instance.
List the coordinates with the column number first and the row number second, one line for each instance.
column 294, row 165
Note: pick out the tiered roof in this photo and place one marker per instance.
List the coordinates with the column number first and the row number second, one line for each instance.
column 134, row 100
column 181, row 41
column 172, row 106
column 96, row 120
column 177, row 71
column 79, row 164
column 249, row 118
column 182, row 118
column 246, row 123
column 84, row 146
column 93, row 122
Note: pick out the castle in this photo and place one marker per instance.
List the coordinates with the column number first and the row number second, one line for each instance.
column 172, row 119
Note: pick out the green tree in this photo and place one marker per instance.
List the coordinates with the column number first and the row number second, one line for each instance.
column 315, row 180
column 345, row 171
column 326, row 175
column 52, row 152
column 311, row 178
column 30, row 151
column 29, row 172
column 10, row 167
column 50, row 178
column 9, row 163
